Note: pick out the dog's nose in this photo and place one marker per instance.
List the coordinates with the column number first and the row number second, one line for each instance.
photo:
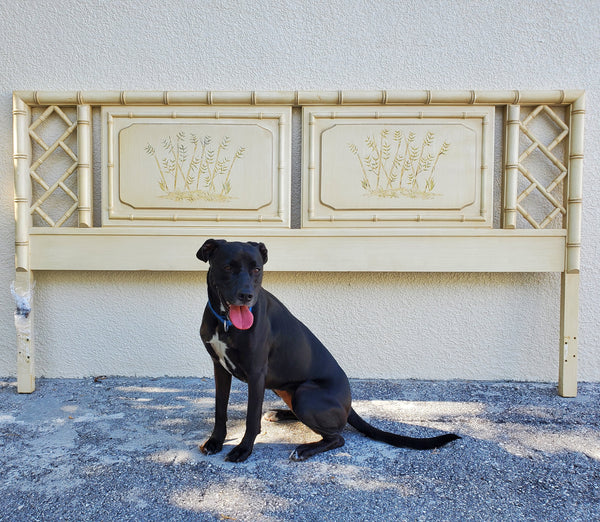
column 244, row 297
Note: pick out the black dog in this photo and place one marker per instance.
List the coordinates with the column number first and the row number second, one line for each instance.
column 251, row 335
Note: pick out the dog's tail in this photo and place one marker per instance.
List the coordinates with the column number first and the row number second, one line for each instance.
column 399, row 441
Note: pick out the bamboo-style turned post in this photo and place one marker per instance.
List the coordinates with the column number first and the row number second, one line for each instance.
column 84, row 169
column 23, row 284
column 511, row 166
column 22, row 163
column 574, row 188
column 569, row 299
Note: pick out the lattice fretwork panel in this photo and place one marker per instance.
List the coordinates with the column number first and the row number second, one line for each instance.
column 55, row 199
column 543, row 167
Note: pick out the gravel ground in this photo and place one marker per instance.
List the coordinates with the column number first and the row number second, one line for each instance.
column 127, row 449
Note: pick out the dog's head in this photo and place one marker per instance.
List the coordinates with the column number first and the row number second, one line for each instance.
column 235, row 275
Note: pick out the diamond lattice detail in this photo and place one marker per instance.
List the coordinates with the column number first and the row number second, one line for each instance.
column 547, row 151
column 60, row 142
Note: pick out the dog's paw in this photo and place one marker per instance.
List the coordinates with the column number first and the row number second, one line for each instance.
column 211, row 446
column 304, row 451
column 239, row 454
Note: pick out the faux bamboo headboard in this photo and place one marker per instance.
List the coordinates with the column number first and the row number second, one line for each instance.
column 403, row 179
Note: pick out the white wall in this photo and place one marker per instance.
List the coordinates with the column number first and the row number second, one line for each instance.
column 472, row 326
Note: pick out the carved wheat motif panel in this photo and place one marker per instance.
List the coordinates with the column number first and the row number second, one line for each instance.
column 196, row 166
column 421, row 167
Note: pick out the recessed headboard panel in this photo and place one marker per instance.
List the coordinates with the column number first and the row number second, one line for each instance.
column 196, row 166
column 405, row 180
column 398, row 167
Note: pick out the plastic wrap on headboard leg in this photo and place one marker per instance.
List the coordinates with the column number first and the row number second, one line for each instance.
column 22, row 290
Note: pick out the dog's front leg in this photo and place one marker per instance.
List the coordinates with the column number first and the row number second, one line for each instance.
column 222, row 388
column 256, row 395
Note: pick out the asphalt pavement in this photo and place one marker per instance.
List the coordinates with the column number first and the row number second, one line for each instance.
column 127, row 449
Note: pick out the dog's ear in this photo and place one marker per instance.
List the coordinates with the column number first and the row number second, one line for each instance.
column 208, row 249
column 262, row 249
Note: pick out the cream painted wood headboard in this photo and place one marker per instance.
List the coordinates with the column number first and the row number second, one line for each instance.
column 404, row 180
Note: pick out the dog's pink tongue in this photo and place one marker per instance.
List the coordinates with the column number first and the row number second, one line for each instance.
column 241, row 317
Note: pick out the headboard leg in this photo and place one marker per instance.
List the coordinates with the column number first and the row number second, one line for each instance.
column 23, row 291
column 567, row 364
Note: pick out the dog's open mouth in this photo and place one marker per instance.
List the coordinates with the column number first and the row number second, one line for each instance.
column 241, row 317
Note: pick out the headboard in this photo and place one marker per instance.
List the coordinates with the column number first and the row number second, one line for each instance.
column 403, row 179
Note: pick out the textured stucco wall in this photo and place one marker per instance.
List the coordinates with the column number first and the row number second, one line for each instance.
column 474, row 326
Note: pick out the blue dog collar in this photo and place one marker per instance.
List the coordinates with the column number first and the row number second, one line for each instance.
column 224, row 319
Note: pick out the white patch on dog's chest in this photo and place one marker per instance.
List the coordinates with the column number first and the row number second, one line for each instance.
column 220, row 349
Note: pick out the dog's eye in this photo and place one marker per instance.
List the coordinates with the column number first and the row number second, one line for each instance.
column 227, row 268
column 256, row 270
